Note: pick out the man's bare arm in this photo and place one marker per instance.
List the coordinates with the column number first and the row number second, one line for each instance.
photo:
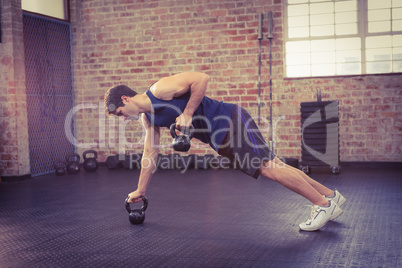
column 179, row 84
column 148, row 161
column 198, row 86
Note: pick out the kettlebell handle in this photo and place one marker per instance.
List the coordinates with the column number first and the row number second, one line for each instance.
column 173, row 131
column 143, row 208
column 74, row 155
column 84, row 154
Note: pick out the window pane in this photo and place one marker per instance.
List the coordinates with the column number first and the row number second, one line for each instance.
column 397, row 66
column 298, row 46
column 322, row 57
column 298, row 32
column 297, row 10
column 322, row 19
column 380, row 26
column 343, row 29
column 397, row 25
column 298, row 71
column 378, row 54
column 348, row 43
column 52, row 8
column 297, row 1
column 378, row 4
column 396, row 13
column 378, row 67
column 348, row 68
column 346, row 17
column 321, row 8
column 396, row 3
column 379, row 41
column 342, row 6
column 298, row 21
column 323, row 45
column 397, row 40
column 322, row 30
column 397, row 53
column 298, row 59
column 348, row 56
column 323, row 69
column 380, row 14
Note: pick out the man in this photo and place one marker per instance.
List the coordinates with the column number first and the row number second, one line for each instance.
column 226, row 127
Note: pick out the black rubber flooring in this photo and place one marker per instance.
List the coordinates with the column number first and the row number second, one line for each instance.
column 202, row 218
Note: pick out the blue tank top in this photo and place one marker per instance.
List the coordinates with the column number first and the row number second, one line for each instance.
column 210, row 120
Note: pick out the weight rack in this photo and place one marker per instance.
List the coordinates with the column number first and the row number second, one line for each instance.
column 320, row 135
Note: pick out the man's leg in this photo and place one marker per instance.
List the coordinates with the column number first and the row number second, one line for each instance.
column 322, row 210
column 293, row 180
column 316, row 185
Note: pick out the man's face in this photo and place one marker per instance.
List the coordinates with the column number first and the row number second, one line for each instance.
column 129, row 111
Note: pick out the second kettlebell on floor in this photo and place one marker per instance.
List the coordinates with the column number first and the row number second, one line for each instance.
column 90, row 163
column 73, row 163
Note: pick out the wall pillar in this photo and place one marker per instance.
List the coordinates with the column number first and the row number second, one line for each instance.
column 14, row 143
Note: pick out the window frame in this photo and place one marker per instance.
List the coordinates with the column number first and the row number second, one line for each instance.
column 362, row 33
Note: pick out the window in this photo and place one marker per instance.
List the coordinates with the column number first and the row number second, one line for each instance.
column 51, row 8
column 343, row 37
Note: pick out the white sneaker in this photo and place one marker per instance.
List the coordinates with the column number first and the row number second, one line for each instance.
column 320, row 216
column 338, row 198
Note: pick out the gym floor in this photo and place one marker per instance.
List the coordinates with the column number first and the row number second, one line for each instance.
column 200, row 218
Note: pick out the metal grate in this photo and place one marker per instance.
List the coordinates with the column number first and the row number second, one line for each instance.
column 49, row 90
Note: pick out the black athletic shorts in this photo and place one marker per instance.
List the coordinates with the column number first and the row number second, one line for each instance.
column 244, row 144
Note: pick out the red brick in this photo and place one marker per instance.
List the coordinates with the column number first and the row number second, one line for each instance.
column 231, row 99
column 127, row 52
column 248, row 98
column 218, row 13
column 136, row 70
column 229, row 32
column 237, row 38
column 203, row 54
column 160, row 63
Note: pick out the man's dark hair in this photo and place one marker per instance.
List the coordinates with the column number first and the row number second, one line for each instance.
column 113, row 97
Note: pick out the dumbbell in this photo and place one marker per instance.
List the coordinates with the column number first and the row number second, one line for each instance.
column 112, row 162
column 132, row 161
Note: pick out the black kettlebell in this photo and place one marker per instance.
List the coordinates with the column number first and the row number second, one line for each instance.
column 137, row 216
column 73, row 163
column 181, row 143
column 60, row 167
column 90, row 163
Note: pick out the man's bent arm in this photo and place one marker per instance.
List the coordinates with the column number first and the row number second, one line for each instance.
column 198, row 87
column 179, row 84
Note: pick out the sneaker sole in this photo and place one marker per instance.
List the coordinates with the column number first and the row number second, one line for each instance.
column 342, row 202
column 336, row 215
column 315, row 229
column 333, row 217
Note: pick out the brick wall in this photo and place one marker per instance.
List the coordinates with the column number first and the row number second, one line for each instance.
column 138, row 42
column 370, row 113
column 14, row 150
